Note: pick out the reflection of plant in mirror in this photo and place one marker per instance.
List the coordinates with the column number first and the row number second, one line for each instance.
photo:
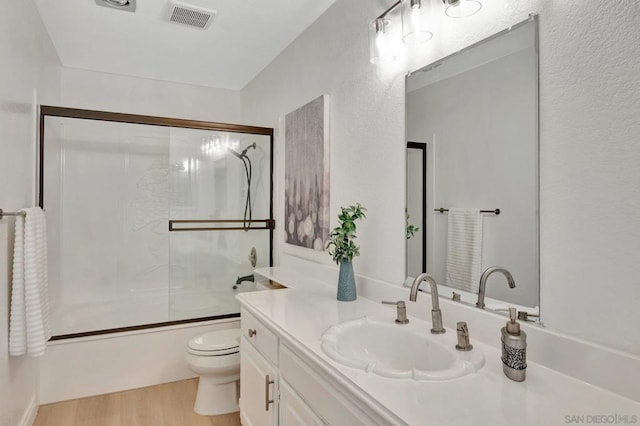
column 411, row 230
column 341, row 240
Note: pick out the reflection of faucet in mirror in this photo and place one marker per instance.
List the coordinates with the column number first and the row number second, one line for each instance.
column 483, row 282
column 436, row 315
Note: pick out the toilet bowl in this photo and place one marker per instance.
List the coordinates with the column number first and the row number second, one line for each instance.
column 215, row 357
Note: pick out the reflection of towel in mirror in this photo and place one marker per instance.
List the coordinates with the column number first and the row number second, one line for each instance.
column 29, row 327
column 464, row 249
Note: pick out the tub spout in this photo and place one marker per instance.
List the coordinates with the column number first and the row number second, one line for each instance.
column 240, row 280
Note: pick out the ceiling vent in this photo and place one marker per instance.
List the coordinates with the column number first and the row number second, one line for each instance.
column 191, row 16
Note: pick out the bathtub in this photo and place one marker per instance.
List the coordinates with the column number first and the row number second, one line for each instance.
column 104, row 363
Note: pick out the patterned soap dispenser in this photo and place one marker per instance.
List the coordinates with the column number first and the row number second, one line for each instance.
column 514, row 349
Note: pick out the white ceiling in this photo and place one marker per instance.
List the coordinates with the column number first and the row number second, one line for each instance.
column 245, row 36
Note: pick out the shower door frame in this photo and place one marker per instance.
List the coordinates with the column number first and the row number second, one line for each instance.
column 117, row 117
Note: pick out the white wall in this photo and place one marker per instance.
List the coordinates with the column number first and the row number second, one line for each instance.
column 590, row 235
column 133, row 95
column 367, row 143
column 27, row 61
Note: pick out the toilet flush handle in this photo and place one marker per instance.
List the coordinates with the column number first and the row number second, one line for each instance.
column 252, row 332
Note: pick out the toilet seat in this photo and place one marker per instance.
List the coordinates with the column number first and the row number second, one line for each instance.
column 216, row 343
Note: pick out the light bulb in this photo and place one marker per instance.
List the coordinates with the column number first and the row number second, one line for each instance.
column 380, row 53
column 415, row 22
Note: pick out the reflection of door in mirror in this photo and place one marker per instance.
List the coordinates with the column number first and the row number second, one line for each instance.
column 416, row 206
column 478, row 109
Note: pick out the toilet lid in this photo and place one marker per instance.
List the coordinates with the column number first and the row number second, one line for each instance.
column 216, row 342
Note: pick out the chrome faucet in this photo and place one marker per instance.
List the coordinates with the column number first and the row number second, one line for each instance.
column 483, row 282
column 436, row 315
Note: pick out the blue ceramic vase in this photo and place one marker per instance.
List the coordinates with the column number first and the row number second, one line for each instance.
column 346, row 282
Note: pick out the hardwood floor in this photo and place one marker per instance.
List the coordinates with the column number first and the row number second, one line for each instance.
column 169, row 404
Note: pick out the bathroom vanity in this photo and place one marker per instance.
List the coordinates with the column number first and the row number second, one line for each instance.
column 280, row 385
column 287, row 378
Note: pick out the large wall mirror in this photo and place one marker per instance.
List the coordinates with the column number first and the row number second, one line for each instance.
column 472, row 144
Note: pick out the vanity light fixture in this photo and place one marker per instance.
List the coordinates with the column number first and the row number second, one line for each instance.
column 461, row 8
column 380, row 52
column 415, row 21
column 415, row 16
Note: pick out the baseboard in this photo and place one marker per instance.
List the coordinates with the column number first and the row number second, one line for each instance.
column 29, row 415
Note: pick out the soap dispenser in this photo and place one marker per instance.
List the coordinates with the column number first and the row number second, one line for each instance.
column 514, row 349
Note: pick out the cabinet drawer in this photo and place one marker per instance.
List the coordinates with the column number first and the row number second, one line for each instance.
column 259, row 336
column 328, row 402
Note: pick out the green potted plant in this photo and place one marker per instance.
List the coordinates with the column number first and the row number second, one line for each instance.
column 343, row 249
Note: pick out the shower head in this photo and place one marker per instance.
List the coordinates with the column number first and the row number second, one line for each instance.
column 242, row 154
column 246, row 161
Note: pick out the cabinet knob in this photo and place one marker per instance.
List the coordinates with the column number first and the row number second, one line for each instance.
column 252, row 332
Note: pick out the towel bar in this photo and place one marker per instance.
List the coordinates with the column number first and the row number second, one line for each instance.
column 3, row 213
column 443, row 210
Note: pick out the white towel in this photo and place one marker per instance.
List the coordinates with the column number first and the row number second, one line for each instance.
column 464, row 249
column 29, row 325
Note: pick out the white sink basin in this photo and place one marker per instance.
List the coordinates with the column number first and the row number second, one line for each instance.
column 399, row 351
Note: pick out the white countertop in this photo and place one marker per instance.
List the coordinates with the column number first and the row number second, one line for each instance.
column 300, row 315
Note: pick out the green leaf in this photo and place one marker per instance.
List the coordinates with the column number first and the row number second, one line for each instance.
column 341, row 244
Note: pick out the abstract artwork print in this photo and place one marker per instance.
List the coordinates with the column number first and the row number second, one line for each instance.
column 307, row 175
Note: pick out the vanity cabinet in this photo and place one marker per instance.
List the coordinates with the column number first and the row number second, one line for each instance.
column 331, row 403
column 293, row 410
column 258, row 374
column 280, row 386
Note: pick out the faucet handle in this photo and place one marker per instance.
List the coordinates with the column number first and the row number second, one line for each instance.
column 463, row 337
column 402, row 311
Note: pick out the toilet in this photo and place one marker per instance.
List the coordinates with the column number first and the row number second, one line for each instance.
column 215, row 357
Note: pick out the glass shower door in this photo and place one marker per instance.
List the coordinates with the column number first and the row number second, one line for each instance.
column 106, row 198
column 151, row 220
column 220, row 219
